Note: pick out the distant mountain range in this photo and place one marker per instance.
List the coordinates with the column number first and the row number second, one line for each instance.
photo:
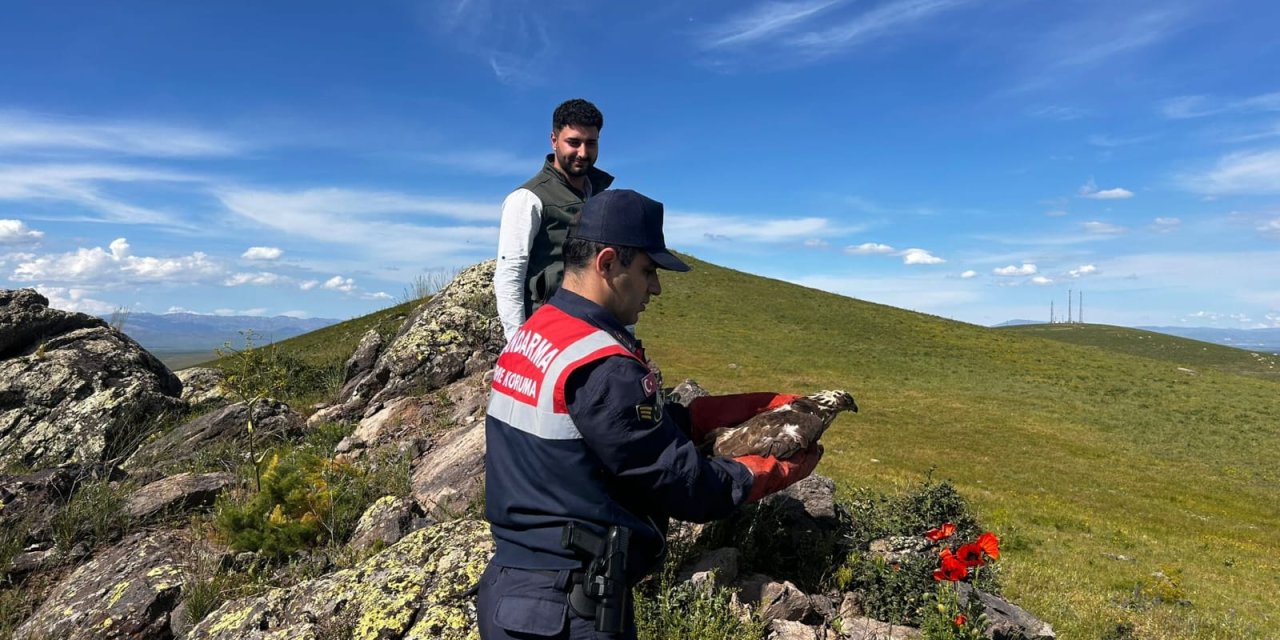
column 171, row 332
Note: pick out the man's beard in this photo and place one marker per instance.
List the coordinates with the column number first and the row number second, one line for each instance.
column 566, row 163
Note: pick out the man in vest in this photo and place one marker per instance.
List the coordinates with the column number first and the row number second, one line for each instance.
column 536, row 217
column 579, row 442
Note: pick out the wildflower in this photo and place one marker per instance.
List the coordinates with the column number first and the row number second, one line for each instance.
column 941, row 533
column 960, row 619
column 990, row 544
column 951, row 567
column 970, row 555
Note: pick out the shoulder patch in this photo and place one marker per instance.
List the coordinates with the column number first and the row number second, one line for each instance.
column 649, row 384
column 649, row 412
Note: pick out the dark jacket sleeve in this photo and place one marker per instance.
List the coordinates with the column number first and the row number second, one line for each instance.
column 644, row 454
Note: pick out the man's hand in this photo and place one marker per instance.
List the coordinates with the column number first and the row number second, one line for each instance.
column 708, row 413
column 773, row 475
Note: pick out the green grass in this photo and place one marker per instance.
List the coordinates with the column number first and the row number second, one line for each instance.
column 1074, row 455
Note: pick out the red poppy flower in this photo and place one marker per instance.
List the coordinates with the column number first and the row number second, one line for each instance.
column 990, row 544
column 960, row 619
column 951, row 568
column 970, row 555
column 941, row 533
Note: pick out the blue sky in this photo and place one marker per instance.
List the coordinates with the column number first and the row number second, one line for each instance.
column 965, row 158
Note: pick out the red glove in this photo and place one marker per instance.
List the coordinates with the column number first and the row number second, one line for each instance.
column 773, row 475
column 709, row 413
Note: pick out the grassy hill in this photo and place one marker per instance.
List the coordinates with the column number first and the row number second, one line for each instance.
column 1191, row 354
column 1098, row 464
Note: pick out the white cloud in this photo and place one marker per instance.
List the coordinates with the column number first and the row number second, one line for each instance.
column 1243, row 173
column 969, row 274
column 1165, row 224
column 261, row 278
column 308, row 285
column 1198, row 106
column 378, row 295
column 339, row 283
column 75, row 299
column 83, row 185
column 262, row 253
column 1270, row 227
column 256, row 311
column 19, row 131
column 868, row 248
column 1060, row 113
column 763, row 21
column 870, row 25
column 295, row 313
column 816, row 243
column 1090, row 190
column 1082, row 270
column 1041, row 281
column 1102, row 228
column 387, row 225
column 919, row 256
column 17, row 232
column 1026, row 269
column 115, row 266
column 493, row 163
column 691, row 228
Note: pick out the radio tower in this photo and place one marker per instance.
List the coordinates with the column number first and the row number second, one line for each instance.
column 1068, row 306
column 1080, row 309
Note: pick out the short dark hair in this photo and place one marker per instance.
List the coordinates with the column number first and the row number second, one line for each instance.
column 578, row 253
column 576, row 112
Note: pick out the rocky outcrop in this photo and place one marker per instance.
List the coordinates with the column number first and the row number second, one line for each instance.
column 1008, row 621
column 124, row 592
column 421, row 418
column 177, row 494
column 201, row 386
column 72, row 389
column 274, row 420
column 449, row 479
column 410, row 591
column 454, row 334
column 386, row 521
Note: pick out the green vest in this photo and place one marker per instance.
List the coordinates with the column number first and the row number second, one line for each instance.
column 560, row 205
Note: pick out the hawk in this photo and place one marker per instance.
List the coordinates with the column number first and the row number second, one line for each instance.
column 782, row 431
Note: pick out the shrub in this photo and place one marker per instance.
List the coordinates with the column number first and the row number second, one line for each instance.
column 692, row 612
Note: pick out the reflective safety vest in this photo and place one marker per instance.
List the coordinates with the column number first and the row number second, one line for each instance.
column 529, row 378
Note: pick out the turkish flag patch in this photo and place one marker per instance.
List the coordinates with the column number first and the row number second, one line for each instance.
column 649, row 384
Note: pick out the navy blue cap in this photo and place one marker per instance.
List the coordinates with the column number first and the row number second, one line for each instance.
column 625, row 218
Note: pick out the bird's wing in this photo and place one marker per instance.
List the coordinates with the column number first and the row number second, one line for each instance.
column 777, row 433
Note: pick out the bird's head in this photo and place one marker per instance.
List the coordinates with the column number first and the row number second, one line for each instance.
column 835, row 400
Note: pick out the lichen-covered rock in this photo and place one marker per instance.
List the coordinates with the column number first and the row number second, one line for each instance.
column 274, row 420
column 455, row 333
column 201, row 386
column 30, row 500
column 386, row 521
column 411, row 590
column 177, row 494
column 449, row 478
column 421, row 417
column 365, row 356
column 871, row 629
column 72, row 389
column 124, row 592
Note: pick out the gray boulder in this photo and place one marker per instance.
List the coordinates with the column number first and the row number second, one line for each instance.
column 386, row 521
column 124, row 592
column 73, row 389
column 200, row 386
column 454, row 334
column 1008, row 621
column 274, row 420
column 177, row 494
column 449, row 478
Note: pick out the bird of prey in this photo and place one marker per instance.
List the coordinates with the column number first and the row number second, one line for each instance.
column 782, row 431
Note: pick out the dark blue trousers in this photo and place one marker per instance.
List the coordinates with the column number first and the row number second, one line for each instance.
column 528, row 605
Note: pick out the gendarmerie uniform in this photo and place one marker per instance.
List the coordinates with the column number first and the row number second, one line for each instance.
column 576, row 432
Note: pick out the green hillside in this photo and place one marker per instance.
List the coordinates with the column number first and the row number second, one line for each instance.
column 1190, row 354
column 1098, row 466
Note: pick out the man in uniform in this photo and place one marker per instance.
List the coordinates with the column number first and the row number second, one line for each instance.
column 578, row 437
column 536, row 216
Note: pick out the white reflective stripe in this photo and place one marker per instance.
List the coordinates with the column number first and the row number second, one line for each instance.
column 582, row 348
column 527, row 418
